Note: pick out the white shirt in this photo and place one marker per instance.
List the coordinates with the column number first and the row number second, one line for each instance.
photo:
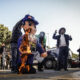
column 62, row 41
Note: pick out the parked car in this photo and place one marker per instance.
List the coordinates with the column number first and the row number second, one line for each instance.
column 51, row 59
column 73, row 63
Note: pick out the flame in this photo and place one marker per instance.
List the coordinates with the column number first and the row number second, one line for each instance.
column 28, row 50
column 28, row 67
column 25, row 46
column 24, row 58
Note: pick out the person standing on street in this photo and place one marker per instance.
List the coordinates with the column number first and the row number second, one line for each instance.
column 42, row 41
column 16, row 33
column 63, row 45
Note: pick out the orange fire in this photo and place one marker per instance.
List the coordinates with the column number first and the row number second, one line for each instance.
column 23, row 64
column 25, row 51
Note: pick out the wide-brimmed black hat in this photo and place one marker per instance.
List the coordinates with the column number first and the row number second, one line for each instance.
column 62, row 29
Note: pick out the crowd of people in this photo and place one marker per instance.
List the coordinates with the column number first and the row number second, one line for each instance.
column 24, row 48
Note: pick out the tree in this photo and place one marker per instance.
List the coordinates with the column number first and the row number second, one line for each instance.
column 5, row 35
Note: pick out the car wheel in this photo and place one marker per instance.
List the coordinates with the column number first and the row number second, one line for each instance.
column 48, row 64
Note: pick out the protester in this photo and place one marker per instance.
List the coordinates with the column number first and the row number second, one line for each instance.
column 16, row 33
column 63, row 45
column 42, row 41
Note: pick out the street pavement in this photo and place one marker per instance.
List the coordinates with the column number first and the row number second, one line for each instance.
column 72, row 74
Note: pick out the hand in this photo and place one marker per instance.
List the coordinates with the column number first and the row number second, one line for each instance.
column 55, row 31
column 44, row 54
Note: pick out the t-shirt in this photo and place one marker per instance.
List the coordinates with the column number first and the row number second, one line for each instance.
column 62, row 41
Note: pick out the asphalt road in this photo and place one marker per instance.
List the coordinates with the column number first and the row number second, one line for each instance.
column 72, row 74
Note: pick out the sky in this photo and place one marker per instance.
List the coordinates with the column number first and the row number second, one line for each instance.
column 51, row 15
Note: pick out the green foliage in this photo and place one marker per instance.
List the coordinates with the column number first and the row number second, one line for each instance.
column 5, row 35
column 74, row 55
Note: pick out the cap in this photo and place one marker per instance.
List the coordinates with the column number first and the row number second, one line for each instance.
column 29, row 18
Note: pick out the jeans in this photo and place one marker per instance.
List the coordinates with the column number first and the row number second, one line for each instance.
column 62, row 58
column 14, row 54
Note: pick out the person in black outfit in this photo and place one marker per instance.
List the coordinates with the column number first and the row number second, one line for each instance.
column 16, row 33
column 63, row 45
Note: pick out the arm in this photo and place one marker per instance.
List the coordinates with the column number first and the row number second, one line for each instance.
column 69, row 38
column 54, row 35
column 78, row 50
column 40, row 50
